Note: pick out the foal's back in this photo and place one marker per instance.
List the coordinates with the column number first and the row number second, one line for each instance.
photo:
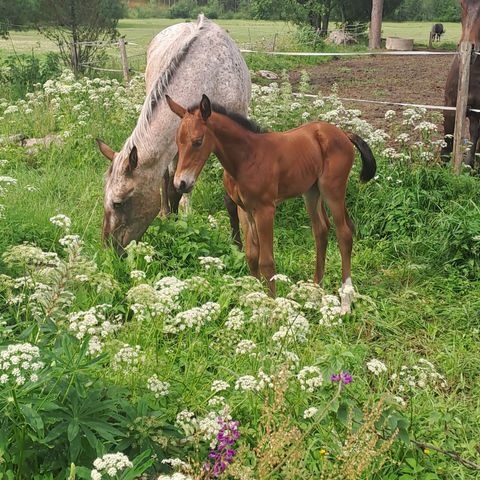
column 297, row 158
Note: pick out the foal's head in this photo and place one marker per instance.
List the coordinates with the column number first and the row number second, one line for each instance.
column 194, row 141
column 471, row 20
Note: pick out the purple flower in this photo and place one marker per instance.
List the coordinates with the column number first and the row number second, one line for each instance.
column 343, row 377
column 223, row 454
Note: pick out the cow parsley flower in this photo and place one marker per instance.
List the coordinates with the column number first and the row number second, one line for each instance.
column 212, row 263
column 310, row 412
column 110, row 464
column 219, row 386
column 245, row 346
column 128, row 359
column 376, row 366
column 159, row 388
column 61, row 221
column 19, row 363
column 310, row 378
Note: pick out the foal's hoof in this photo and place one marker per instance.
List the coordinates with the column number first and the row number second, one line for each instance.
column 347, row 294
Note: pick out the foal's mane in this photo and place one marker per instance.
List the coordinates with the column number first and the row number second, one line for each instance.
column 140, row 135
column 246, row 123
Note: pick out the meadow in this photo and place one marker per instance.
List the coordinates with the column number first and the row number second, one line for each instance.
column 174, row 364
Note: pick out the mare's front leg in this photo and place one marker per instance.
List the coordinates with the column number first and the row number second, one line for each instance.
column 165, row 207
column 448, row 130
column 264, row 217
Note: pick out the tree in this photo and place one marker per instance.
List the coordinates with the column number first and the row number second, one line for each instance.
column 376, row 24
column 72, row 23
column 16, row 14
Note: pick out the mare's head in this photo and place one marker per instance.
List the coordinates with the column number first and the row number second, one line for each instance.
column 194, row 141
column 471, row 21
column 132, row 197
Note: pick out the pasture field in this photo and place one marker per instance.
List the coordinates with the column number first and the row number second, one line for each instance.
column 245, row 32
column 154, row 359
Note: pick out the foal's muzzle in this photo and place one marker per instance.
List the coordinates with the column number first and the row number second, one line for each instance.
column 184, row 186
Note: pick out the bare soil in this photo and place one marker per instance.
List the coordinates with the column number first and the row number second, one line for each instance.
column 397, row 79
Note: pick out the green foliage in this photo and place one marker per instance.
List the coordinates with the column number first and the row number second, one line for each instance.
column 427, row 10
column 22, row 72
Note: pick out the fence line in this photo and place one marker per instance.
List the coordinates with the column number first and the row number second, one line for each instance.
column 381, row 102
column 351, row 54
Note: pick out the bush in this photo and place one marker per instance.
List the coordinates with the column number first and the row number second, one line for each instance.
column 22, row 72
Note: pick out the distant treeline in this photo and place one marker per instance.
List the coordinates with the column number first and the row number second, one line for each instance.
column 303, row 10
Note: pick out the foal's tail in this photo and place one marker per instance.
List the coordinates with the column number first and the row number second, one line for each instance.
column 369, row 166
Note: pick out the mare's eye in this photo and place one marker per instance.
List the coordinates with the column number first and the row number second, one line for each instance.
column 198, row 142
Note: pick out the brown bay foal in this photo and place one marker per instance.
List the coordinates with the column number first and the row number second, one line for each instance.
column 263, row 169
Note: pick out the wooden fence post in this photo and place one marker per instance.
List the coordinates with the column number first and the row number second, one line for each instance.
column 74, row 58
column 123, row 56
column 462, row 99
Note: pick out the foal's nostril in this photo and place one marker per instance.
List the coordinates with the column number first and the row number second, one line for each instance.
column 182, row 186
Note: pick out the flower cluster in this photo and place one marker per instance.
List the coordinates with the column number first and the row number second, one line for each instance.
column 93, row 323
column 213, row 263
column 223, row 454
column 376, row 366
column 342, row 377
column 61, row 221
column 418, row 377
column 250, row 383
column 19, row 363
column 110, row 464
column 159, row 388
column 219, row 386
column 128, row 359
column 194, row 318
column 245, row 346
column 310, row 378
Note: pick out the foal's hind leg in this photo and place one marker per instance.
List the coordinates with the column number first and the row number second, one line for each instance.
column 320, row 227
column 335, row 198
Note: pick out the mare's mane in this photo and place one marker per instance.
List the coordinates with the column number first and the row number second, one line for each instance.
column 246, row 123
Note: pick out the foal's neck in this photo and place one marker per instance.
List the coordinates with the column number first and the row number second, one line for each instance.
column 233, row 143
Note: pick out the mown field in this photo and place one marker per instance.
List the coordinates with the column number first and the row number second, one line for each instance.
column 157, row 356
column 245, row 32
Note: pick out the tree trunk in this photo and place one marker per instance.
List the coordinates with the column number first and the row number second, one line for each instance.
column 376, row 25
column 325, row 19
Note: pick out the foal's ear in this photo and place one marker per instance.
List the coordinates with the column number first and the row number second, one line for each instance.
column 175, row 107
column 105, row 149
column 205, row 107
column 133, row 159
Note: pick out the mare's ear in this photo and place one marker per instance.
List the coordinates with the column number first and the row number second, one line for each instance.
column 205, row 107
column 175, row 107
column 133, row 159
column 105, row 149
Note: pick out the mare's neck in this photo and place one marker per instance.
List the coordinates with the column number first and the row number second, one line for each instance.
column 233, row 143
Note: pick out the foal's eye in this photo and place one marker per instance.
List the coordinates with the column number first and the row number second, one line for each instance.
column 198, row 142
column 117, row 205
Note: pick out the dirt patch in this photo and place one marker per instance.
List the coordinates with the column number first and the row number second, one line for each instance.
column 397, row 79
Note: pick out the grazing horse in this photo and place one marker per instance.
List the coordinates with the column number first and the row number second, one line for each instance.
column 263, row 169
column 470, row 33
column 437, row 32
column 180, row 61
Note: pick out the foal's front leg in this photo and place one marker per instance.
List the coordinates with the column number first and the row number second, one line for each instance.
column 264, row 222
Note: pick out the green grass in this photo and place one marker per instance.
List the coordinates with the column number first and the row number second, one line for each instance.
column 244, row 32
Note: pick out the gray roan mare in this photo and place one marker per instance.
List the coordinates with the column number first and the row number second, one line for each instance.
column 182, row 60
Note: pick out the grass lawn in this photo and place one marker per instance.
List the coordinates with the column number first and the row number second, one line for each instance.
column 245, row 32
